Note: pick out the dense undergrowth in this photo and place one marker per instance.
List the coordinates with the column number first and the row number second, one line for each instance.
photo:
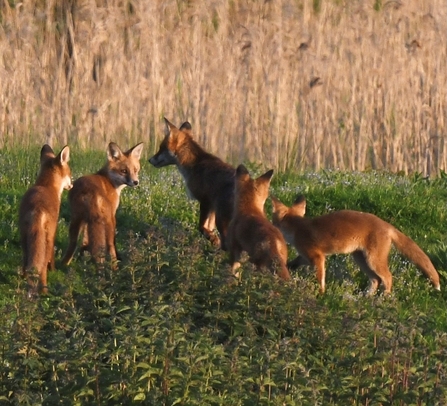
column 171, row 326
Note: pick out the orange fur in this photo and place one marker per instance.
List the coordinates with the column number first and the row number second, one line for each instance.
column 94, row 200
column 250, row 230
column 367, row 237
column 208, row 179
column 39, row 214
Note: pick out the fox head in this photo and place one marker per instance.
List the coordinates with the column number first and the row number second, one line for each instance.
column 280, row 210
column 251, row 193
column 54, row 168
column 123, row 167
column 174, row 139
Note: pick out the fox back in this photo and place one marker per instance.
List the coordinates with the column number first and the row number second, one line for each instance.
column 365, row 235
column 94, row 200
column 39, row 214
column 250, row 229
column 207, row 178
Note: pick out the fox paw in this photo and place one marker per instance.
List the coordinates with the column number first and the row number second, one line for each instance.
column 215, row 240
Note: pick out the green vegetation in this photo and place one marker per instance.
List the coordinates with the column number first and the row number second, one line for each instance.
column 172, row 327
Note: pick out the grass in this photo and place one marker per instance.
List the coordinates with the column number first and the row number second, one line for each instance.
column 171, row 327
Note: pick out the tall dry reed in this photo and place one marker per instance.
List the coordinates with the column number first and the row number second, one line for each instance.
column 289, row 83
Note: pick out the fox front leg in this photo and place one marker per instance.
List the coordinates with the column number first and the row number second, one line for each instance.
column 207, row 224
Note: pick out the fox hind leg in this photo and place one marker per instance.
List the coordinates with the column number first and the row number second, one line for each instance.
column 110, row 240
column 84, row 244
column 224, row 212
column 235, row 256
column 376, row 268
column 48, row 260
column 222, row 227
column 50, row 239
column 73, row 235
column 318, row 260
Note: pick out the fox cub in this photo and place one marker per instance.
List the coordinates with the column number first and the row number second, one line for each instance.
column 249, row 229
column 208, row 179
column 39, row 214
column 94, row 200
column 367, row 237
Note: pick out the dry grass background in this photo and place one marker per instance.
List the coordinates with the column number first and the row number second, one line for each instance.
column 289, row 83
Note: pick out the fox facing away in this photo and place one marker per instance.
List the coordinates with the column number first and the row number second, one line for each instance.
column 39, row 214
column 94, row 200
column 250, row 229
column 367, row 237
column 208, row 179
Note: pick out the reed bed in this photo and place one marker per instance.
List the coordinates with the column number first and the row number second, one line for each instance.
column 292, row 84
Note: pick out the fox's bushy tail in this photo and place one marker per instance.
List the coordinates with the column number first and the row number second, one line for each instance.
column 415, row 254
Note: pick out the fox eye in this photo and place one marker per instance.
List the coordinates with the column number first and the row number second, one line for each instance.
column 124, row 171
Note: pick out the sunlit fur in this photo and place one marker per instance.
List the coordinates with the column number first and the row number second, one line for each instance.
column 367, row 237
column 250, row 229
column 94, row 200
column 39, row 214
column 207, row 178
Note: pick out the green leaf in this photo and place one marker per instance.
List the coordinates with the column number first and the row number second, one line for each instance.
column 140, row 396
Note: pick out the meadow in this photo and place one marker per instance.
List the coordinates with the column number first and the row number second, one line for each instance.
column 346, row 100
column 171, row 327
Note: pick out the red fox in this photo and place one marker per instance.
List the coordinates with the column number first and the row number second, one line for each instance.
column 39, row 214
column 94, row 200
column 208, row 179
column 367, row 237
column 249, row 229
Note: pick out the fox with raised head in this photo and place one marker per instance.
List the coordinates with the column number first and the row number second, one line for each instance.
column 94, row 200
column 250, row 230
column 208, row 179
column 39, row 214
column 367, row 237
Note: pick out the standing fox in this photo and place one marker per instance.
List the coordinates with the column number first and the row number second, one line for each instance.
column 39, row 214
column 94, row 200
column 250, row 230
column 208, row 179
column 365, row 236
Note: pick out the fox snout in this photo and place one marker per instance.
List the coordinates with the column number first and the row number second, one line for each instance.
column 153, row 160
column 157, row 160
column 68, row 184
column 130, row 180
column 163, row 158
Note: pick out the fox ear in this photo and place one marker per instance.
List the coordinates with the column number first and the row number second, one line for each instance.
column 114, row 151
column 136, row 150
column 279, row 210
column 186, row 126
column 241, row 170
column 299, row 206
column 46, row 152
column 267, row 176
column 169, row 127
column 64, row 155
column 299, row 199
column 276, row 204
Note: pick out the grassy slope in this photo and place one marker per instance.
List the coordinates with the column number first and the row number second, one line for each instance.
column 168, row 326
